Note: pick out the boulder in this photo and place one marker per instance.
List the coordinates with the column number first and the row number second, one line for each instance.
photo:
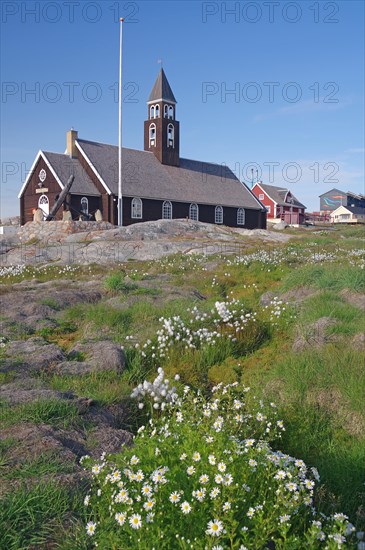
column 102, row 355
column 32, row 354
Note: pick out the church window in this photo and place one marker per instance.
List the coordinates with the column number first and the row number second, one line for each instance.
column 219, row 214
column 194, row 212
column 84, row 205
column 167, row 210
column 157, row 111
column 171, row 112
column 152, row 135
column 152, row 111
column 170, row 135
column 241, row 216
column 137, row 208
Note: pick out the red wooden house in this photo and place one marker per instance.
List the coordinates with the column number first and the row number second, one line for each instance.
column 280, row 203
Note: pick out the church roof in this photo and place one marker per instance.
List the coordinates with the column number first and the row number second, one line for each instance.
column 64, row 166
column 145, row 177
column 161, row 89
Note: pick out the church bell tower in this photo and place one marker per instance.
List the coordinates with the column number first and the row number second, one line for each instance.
column 161, row 130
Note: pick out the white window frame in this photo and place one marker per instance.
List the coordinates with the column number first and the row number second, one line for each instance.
column 194, row 208
column 261, row 197
column 166, row 111
column 268, row 208
column 170, row 130
column 136, row 208
column 85, row 200
column 170, row 112
column 157, row 111
column 218, row 214
column 167, row 210
column 152, row 139
column 44, row 200
column 152, row 112
column 241, row 216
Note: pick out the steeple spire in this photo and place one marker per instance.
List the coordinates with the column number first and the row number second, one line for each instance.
column 161, row 90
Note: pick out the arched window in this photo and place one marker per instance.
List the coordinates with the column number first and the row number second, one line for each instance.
column 157, row 111
column 165, row 111
column 219, row 214
column 170, row 135
column 194, row 212
column 43, row 204
column 152, row 111
column 167, row 210
column 241, row 216
column 171, row 112
column 84, row 205
column 136, row 208
column 152, row 135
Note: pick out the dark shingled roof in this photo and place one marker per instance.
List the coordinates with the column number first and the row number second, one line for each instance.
column 144, row 176
column 161, row 89
column 64, row 166
column 355, row 209
column 278, row 194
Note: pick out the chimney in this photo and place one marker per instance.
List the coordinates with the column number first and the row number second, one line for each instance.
column 71, row 136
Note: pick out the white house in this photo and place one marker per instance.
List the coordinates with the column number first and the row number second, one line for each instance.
column 348, row 214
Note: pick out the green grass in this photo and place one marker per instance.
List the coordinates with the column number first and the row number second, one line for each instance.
column 329, row 277
column 47, row 464
column 32, row 517
column 54, row 412
column 116, row 282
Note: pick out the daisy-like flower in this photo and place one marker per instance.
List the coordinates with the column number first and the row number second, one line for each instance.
column 196, row 457
column 218, row 478
column 87, row 500
column 280, row 474
column 249, row 442
column 149, row 517
column 204, row 479
column 149, row 504
column 214, row 528
column 209, row 439
column 252, row 462
column 199, row 494
column 309, row 484
column 146, row 490
column 226, row 506
column 260, row 417
column 227, row 479
column 285, row 518
column 185, row 507
column 250, row 512
column 115, row 476
column 120, row 517
column 96, row 469
column 134, row 460
column 179, row 417
column 139, row 476
column 90, row 528
column 122, row 496
column 183, row 456
column 221, row 467
column 214, row 492
column 135, row 521
column 174, row 497
column 291, row 486
column 211, row 459
column 190, row 471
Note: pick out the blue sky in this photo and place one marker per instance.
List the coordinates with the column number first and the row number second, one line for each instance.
column 278, row 86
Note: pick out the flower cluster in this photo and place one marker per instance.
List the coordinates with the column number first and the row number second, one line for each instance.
column 206, row 467
column 158, row 391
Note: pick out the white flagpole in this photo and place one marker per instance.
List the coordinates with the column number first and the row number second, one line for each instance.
column 120, row 205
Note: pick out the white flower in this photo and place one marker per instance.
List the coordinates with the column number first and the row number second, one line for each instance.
column 149, row 504
column 90, row 528
column 285, row 518
column 120, row 517
column 174, row 497
column 226, row 506
column 135, row 521
column 196, row 457
column 214, row 492
column 134, row 460
column 221, row 467
column 211, row 459
column 204, row 479
column 87, row 500
column 190, row 471
column 185, row 507
column 215, row 528
column 250, row 512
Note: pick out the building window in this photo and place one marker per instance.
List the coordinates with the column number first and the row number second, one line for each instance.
column 43, row 204
column 167, row 210
column 194, row 212
column 170, row 135
column 241, row 216
column 152, row 135
column 137, row 209
column 299, row 210
column 157, row 111
column 261, row 197
column 268, row 208
column 152, row 111
column 219, row 214
column 171, row 112
column 165, row 111
column 84, row 205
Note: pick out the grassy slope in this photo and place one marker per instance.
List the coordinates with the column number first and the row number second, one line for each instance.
column 320, row 392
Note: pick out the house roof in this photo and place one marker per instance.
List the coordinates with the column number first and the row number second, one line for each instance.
column 64, row 166
column 161, row 89
column 144, row 176
column 333, row 189
column 352, row 209
column 278, row 195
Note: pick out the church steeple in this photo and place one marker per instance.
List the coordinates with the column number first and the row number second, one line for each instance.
column 161, row 130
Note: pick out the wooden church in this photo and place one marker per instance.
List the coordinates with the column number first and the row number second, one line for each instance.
column 156, row 183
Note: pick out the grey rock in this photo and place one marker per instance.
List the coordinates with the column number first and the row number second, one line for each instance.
column 279, row 226
column 101, row 355
column 32, row 354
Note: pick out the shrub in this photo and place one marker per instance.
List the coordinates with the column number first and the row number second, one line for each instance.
column 202, row 475
column 116, row 281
